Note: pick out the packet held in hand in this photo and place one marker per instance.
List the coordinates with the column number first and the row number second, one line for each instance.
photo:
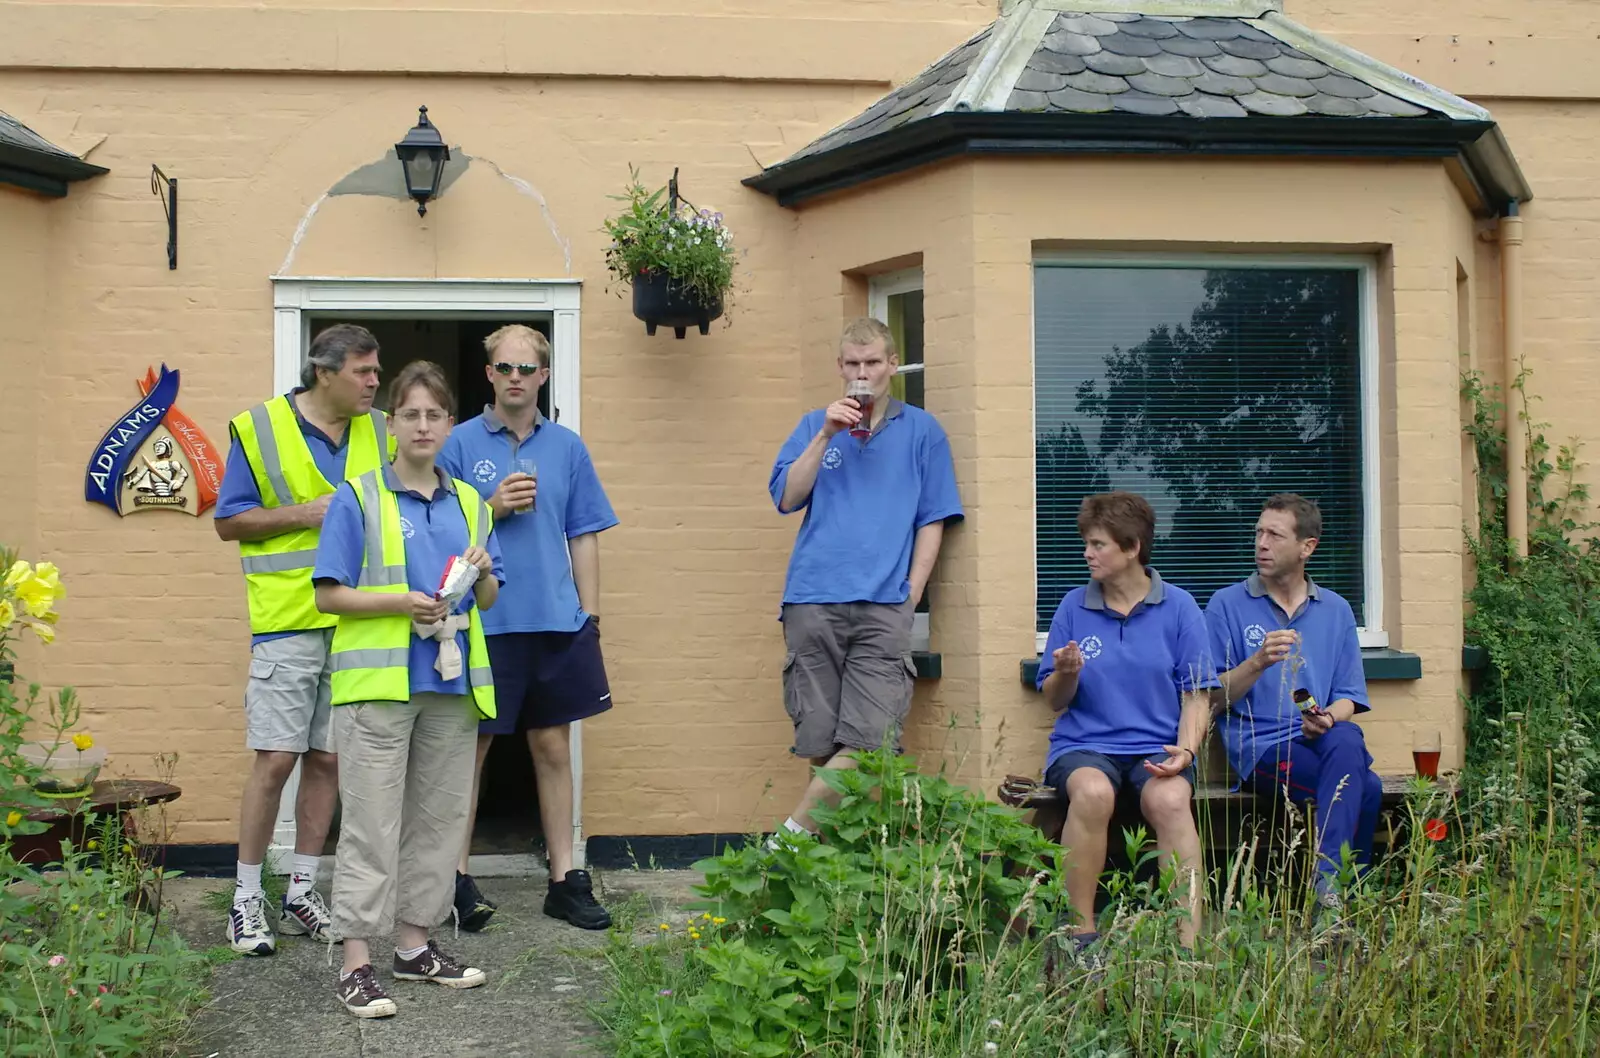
column 458, row 579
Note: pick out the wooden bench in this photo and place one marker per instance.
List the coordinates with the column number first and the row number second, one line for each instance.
column 1226, row 816
column 68, row 817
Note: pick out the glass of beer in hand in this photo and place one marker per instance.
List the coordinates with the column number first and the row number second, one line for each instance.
column 1425, row 747
column 860, row 391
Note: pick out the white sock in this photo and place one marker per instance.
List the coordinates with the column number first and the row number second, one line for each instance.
column 411, row 953
column 248, row 882
column 302, row 875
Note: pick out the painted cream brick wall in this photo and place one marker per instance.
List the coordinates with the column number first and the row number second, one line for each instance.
column 683, row 433
column 24, row 264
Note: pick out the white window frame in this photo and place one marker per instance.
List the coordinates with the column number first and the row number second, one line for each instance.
column 298, row 300
column 1370, row 630
column 880, row 289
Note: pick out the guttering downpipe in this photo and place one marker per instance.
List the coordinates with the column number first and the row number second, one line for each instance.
column 1511, row 346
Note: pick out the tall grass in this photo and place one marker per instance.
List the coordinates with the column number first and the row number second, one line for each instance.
column 1481, row 941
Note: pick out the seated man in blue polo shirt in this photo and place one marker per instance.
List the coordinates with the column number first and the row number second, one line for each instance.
column 878, row 486
column 544, row 636
column 1126, row 665
column 1278, row 633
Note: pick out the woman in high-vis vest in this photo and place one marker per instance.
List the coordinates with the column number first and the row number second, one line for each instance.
column 410, row 682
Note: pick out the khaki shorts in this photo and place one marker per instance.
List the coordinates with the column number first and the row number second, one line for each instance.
column 848, row 675
column 287, row 701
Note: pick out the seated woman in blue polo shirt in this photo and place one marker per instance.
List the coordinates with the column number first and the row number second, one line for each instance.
column 1125, row 665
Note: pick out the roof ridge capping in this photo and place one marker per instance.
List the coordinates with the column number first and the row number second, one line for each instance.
column 1172, row 8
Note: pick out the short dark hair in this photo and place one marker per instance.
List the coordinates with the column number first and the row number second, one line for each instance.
column 332, row 347
column 1126, row 516
column 428, row 375
column 1307, row 515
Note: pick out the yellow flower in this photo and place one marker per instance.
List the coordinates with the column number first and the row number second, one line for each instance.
column 38, row 594
column 13, row 818
column 694, row 935
column 19, row 569
column 719, row 922
column 83, row 740
column 665, row 927
column 8, row 614
column 706, row 916
column 45, row 633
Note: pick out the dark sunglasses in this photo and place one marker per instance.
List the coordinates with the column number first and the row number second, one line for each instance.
column 525, row 370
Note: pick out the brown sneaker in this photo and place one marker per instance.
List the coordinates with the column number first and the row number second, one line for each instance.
column 363, row 996
column 434, row 965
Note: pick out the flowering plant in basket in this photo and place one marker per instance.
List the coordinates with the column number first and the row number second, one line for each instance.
column 660, row 240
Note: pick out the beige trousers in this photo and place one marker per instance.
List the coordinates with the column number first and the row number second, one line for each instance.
column 405, row 787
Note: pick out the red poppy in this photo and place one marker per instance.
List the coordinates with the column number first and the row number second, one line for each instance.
column 1436, row 829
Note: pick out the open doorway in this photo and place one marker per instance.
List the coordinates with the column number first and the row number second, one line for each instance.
column 508, row 805
column 445, row 321
column 455, row 345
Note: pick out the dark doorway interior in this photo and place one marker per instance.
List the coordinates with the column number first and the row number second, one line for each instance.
column 508, row 815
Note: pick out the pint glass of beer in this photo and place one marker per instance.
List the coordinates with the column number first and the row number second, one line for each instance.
column 860, row 391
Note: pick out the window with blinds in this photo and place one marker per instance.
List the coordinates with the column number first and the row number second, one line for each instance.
column 1205, row 390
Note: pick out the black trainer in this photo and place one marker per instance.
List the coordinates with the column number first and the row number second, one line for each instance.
column 573, row 900
column 473, row 909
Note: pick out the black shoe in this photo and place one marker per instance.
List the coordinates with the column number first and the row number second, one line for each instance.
column 573, row 900
column 473, row 909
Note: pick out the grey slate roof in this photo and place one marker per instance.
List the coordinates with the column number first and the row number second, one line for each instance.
column 1094, row 62
column 1202, row 67
column 920, row 97
column 30, row 161
column 14, row 133
column 1227, row 77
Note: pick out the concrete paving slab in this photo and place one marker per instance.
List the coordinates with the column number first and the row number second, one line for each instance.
column 543, row 973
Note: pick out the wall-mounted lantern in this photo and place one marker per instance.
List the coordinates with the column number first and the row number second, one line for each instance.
column 422, row 155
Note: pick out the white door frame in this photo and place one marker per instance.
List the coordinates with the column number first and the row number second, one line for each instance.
column 296, row 299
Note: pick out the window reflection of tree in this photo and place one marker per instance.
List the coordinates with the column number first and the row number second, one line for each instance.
column 1258, row 392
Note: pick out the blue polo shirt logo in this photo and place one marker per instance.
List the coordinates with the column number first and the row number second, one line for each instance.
column 407, row 530
column 1091, row 646
column 832, row 459
column 483, row 471
column 1254, row 636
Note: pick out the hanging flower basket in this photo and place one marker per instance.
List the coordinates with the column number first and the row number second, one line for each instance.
column 661, row 301
column 678, row 259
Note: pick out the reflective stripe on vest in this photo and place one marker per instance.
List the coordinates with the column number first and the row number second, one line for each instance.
column 371, row 654
column 277, row 570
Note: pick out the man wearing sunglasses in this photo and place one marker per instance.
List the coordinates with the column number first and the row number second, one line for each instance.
column 544, row 635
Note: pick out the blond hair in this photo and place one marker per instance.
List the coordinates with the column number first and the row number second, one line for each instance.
column 518, row 332
column 865, row 330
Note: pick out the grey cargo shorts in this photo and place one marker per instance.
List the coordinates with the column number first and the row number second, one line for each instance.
column 847, row 676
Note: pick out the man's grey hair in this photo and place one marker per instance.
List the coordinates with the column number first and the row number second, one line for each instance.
column 332, row 347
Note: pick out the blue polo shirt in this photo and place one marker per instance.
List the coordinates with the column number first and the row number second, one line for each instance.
column 434, row 529
column 869, row 501
column 238, row 492
column 570, row 502
column 1135, row 669
column 1239, row 618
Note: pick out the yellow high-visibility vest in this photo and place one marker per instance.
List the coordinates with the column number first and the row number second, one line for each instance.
column 277, row 570
column 370, row 651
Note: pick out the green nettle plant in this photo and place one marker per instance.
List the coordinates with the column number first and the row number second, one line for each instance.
column 1538, row 618
column 926, row 922
column 655, row 235
column 86, row 965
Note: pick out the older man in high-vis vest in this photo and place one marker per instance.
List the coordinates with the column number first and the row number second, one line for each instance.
column 288, row 456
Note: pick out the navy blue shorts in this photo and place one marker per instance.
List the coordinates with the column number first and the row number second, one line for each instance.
column 546, row 679
column 1120, row 768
